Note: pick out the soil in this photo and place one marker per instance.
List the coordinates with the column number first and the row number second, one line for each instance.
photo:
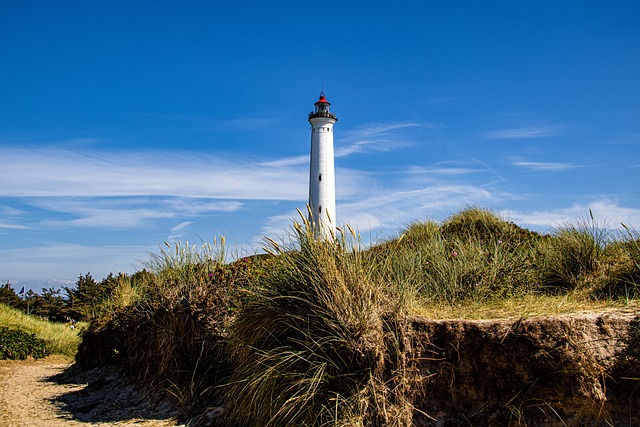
column 579, row 369
column 50, row 393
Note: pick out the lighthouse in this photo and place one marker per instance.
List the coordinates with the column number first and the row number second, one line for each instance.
column 322, row 179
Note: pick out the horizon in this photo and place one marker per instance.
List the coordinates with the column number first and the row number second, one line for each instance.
column 128, row 125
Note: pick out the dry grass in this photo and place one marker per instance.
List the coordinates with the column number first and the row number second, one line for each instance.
column 168, row 327
column 321, row 342
column 526, row 306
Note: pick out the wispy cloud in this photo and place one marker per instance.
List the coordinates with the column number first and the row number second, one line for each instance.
column 9, row 217
column 605, row 211
column 393, row 209
column 378, row 137
column 390, row 210
column 127, row 212
column 177, row 229
column 5, row 226
column 181, row 226
column 440, row 170
column 51, row 172
column 546, row 166
column 368, row 138
column 525, row 132
column 287, row 161
column 442, row 99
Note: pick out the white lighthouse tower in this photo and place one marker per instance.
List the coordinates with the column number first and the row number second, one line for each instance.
column 322, row 179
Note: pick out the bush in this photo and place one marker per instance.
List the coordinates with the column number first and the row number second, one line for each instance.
column 17, row 344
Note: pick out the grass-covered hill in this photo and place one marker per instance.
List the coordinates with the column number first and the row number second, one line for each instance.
column 24, row 335
column 319, row 333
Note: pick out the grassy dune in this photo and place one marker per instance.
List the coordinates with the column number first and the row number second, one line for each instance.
column 319, row 332
column 59, row 338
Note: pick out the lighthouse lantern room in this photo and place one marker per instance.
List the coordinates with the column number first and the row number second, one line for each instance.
column 322, row 182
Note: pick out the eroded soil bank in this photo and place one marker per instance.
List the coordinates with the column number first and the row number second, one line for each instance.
column 568, row 370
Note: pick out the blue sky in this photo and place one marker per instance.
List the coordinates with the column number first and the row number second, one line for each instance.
column 127, row 124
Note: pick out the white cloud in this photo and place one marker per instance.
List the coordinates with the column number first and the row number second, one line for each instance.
column 177, row 229
column 8, row 216
column 277, row 226
column 439, row 170
column 287, row 161
column 389, row 210
column 80, row 171
column 127, row 212
column 546, row 166
column 59, row 172
column 526, row 132
column 605, row 211
column 4, row 226
column 181, row 226
column 376, row 137
column 394, row 209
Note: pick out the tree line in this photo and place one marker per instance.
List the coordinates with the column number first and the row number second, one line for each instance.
column 80, row 302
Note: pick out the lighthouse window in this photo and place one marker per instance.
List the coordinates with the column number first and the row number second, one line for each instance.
column 319, row 209
column 320, row 177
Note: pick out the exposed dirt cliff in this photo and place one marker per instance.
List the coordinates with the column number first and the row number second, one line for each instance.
column 568, row 370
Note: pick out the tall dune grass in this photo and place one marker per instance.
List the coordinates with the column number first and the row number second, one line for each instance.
column 321, row 341
column 168, row 328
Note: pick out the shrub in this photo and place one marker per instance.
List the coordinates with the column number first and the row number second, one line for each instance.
column 17, row 344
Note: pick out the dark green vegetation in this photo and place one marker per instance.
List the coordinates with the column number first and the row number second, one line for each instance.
column 17, row 344
column 320, row 333
column 81, row 302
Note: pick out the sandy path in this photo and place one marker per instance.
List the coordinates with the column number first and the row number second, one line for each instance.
column 44, row 393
